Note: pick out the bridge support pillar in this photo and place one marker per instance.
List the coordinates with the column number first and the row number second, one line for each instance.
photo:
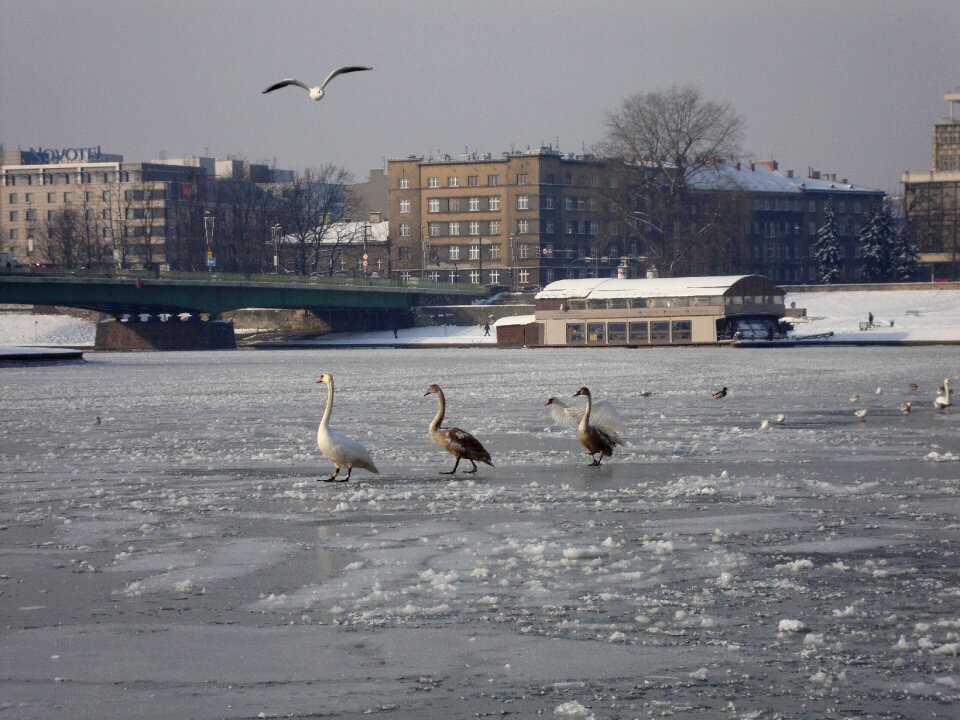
column 170, row 335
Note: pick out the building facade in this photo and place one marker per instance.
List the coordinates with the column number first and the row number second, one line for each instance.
column 784, row 214
column 931, row 200
column 80, row 207
column 661, row 311
column 521, row 220
column 528, row 219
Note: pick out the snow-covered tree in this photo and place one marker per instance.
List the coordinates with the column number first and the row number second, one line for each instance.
column 826, row 250
column 905, row 256
column 876, row 246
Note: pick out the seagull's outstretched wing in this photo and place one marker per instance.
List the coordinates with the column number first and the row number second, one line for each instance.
column 284, row 83
column 340, row 71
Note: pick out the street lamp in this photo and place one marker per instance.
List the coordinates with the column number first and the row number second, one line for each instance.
column 209, row 221
column 276, row 231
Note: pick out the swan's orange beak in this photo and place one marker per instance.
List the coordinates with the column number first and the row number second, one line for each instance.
column 550, row 401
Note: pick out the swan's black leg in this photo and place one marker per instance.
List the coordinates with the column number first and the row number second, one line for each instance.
column 333, row 477
column 595, row 461
column 349, row 470
column 451, row 472
column 474, row 467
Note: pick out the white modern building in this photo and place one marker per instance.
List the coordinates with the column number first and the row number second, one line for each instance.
column 658, row 311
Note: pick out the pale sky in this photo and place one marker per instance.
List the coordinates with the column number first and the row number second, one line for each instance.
column 851, row 87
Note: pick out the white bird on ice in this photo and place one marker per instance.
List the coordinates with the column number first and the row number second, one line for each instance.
column 861, row 414
column 316, row 93
column 765, row 425
column 781, row 419
column 942, row 401
column 339, row 449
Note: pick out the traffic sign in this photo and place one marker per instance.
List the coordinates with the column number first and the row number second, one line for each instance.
column 211, row 262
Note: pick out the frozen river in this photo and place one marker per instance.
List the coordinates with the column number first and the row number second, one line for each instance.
column 179, row 559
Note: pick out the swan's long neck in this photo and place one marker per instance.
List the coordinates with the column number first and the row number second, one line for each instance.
column 585, row 420
column 325, row 420
column 438, row 418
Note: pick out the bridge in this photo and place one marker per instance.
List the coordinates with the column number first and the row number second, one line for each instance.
column 207, row 296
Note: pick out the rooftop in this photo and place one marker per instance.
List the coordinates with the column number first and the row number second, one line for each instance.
column 604, row 288
column 761, row 177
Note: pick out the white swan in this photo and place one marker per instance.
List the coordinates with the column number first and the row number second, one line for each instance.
column 781, row 419
column 861, row 414
column 595, row 440
column 602, row 415
column 942, row 400
column 316, row 93
column 339, row 449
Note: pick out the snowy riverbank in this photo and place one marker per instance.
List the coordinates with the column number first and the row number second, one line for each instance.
column 899, row 316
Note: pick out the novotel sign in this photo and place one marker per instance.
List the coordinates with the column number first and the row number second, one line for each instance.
column 42, row 155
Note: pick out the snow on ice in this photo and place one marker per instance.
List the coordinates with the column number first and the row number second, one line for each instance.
column 180, row 559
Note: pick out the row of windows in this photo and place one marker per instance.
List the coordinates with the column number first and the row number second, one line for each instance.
column 89, row 196
column 639, row 302
column 668, row 302
column 492, row 204
column 474, row 227
column 453, row 181
column 105, row 232
column 453, row 252
column 49, row 178
column 474, row 277
column 629, row 333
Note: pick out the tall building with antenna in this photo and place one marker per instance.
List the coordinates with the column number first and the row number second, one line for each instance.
column 931, row 199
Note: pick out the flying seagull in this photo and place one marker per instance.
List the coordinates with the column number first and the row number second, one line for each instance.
column 316, row 93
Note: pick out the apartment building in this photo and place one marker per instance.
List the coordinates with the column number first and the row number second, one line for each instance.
column 524, row 219
column 784, row 213
column 530, row 218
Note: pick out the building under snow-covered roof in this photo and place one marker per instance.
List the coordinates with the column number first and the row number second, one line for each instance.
column 659, row 311
column 764, row 177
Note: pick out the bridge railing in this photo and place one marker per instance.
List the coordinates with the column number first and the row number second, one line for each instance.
column 213, row 277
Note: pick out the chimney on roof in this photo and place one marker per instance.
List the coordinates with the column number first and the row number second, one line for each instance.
column 738, row 165
column 789, row 173
column 375, row 217
column 770, row 164
column 814, row 174
column 753, row 167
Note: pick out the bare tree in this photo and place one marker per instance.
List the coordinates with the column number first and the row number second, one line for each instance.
column 186, row 243
column 61, row 239
column 93, row 252
column 665, row 139
column 717, row 233
column 315, row 200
